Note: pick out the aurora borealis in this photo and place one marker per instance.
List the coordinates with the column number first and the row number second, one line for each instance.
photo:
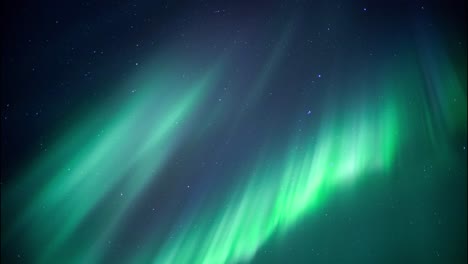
column 234, row 132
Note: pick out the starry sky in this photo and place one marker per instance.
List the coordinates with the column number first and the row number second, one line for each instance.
column 233, row 132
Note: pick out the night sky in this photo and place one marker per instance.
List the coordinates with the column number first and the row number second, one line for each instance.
column 233, row 132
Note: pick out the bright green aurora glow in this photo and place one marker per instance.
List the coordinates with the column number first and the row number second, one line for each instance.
column 95, row 173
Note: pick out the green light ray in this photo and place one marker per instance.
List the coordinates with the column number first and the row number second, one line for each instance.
column 276, row 196
column 153, row 153
column 363, row 141
column 91, row 168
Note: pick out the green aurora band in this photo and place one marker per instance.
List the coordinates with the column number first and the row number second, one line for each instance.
column 287, row 181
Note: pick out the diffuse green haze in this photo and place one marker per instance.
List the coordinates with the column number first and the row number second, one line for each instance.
column 277, row 194
column 363, row 141
column 168, row 130
column 83, row 168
